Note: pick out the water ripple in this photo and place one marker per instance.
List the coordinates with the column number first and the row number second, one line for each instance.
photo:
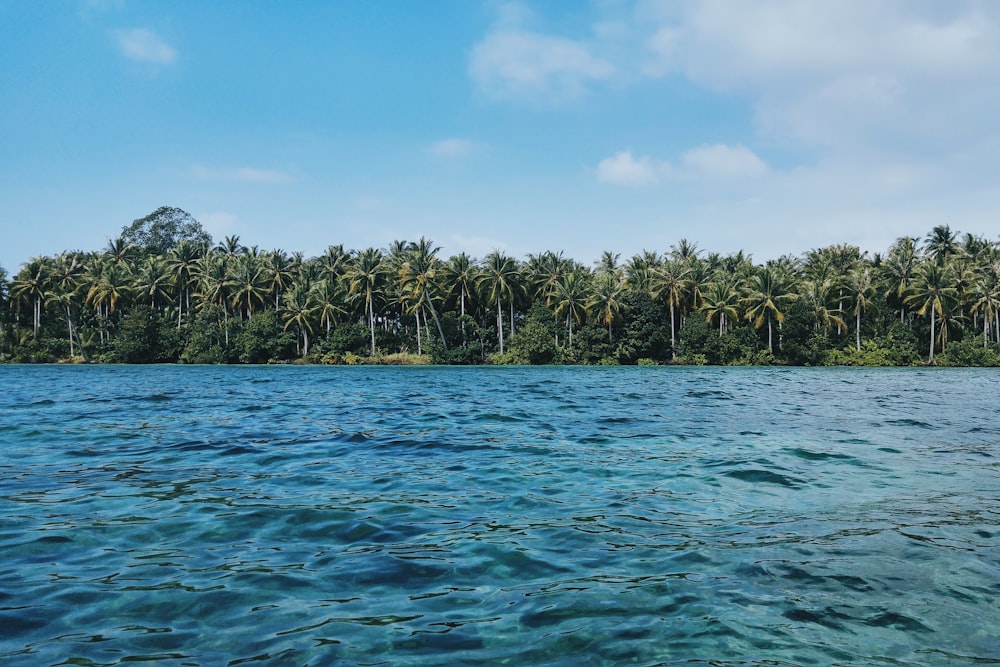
column 272, row 516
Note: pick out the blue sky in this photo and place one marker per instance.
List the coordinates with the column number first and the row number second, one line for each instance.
column 774, row 126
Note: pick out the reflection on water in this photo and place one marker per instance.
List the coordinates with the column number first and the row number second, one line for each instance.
column 578, row 516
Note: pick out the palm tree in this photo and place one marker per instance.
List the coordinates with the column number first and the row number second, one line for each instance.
column 941, row 243
column 366, row 276
column 460, row 276
column 670, row 282
column 721, row 301
column 280, row 270
column 819, row 297
column 248, row 283
column 152, row 284
column 120, row 251
column 986, row 299
column 767, row 296
column 215, row 286
column 859, row 284
column 300, row 309
column 330, row 294
column 640, row 271
column 230, row 247
column 497, row 282
column 110, row 287
column 569, row 297
column 684, row 250
column 30, row 284
column 182, row 262
column 335, row 262
column 932, row 292
column 899, row 269
column 421, row 269
column 608, row 262
column 606, row 298
column 66, row 274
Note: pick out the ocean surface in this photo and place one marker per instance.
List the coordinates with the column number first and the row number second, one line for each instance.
column 520, row 516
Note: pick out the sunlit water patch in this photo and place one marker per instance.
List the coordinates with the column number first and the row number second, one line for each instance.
column 557, row 516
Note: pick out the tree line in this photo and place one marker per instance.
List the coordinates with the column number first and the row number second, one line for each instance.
column 162, row 291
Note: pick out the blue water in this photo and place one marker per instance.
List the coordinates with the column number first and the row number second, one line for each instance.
column 521, row 516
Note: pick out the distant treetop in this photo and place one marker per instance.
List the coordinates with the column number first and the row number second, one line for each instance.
column 165, row 228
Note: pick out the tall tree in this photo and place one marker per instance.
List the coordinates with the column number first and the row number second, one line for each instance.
column 768, row 294
column 497, row 282
column 569, row 297
column 421, row 271
column 30, row 285
column 299, row 310
column 859, row 285
column 932, row 293
column 182, row 263
column 721, row 302
column 366, row 276
column 607, row 298
column 670, row 284
column 163, row 229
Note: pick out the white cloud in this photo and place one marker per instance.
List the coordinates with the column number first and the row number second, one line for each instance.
column 841, row 75
column 452, row 148
column 624, row 169
column 534, row 67
column 240, row 175
column 145, row 46
column 715, row 163
column 718, row 161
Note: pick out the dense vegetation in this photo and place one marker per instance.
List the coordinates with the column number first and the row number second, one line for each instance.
column 161, row 292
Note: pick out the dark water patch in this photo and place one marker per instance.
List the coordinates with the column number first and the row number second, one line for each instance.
column 810, row 455
column 712, row 394
column 757, row 476
column 155, row 398
column 911, row 423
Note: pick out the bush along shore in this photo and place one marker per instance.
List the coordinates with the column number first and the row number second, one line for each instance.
column 164, row 292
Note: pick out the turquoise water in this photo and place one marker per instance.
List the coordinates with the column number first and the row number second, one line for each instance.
column 522, row 516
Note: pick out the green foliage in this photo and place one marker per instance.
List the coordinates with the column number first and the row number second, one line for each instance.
column 535, row 341
column 163, row 229
column 205, row 341
column 969, row 352
column 140, row 339
column 263, row 339
column 157, row 293
column 645, row 331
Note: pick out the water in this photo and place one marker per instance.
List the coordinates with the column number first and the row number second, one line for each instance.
column 522, row 516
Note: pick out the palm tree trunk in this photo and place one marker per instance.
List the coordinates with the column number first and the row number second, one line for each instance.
column 857, row 331
column 371, row 322
column 673, row 351
column 931, row 356
column 986, row 327
column 305, row 342
column 69, row 324
column 770, row 347
column 500, row 324
column 462, row 302
column 437, row 323
column 420, row 349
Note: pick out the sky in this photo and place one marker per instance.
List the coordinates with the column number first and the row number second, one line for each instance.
column 772, row 127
